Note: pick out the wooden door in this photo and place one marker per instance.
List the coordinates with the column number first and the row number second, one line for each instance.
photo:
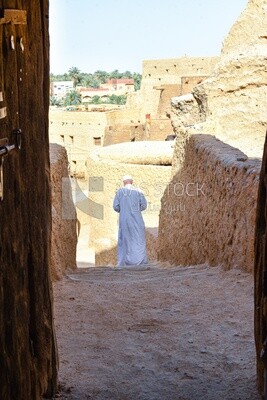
column 28, row 358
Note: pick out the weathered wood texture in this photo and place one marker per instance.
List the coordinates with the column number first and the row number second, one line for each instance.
column 28, row 357
column 260, row 270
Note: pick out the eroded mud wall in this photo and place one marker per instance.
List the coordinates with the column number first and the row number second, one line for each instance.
column 28, row 367
column 233, row 99
column 64, row 219
column 208, row 209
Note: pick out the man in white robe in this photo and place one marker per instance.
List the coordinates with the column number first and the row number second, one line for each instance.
column 129, row 202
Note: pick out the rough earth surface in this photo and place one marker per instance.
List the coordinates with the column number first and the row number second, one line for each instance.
column 64, row 219
column 208, row 209
column 233, row 98
column 156, row 333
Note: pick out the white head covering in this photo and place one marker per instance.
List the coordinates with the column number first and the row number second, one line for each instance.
column 127, row 178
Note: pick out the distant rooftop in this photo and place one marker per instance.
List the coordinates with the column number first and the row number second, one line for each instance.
column 117, row 81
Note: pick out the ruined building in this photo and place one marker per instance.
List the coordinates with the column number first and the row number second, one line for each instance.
column 207, row 206
column 145, row 116
column 229, row 106
column 218, row 160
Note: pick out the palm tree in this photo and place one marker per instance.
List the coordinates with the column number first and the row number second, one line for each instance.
column 127, row 74
column 90, row 81
column 115, row 74
column 102, row 76
column 73, row 98
column 137, row 80
column 75, row 73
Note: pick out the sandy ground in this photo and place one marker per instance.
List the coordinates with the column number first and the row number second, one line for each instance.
column 156, row 333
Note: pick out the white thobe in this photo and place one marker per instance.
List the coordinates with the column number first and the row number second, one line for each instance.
column 129, row 202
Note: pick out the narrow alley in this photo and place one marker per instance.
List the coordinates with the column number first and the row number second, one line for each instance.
column 156, row 332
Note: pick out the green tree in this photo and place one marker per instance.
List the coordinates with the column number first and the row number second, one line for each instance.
column 54, row 101
column 73, row 98
column 137, row 80
column 75, row 75
column 89, row 80
column 127, row 74
column 96, row 100
column 98, row 77
column 101, row 76
column 59, row 78
column 115, row 74
column 114, row 99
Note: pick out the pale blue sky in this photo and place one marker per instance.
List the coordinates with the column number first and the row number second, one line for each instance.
column 119, row 34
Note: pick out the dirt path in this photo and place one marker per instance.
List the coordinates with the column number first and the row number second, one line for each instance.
column 156, row 334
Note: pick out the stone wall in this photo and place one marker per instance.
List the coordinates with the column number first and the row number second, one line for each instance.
column 208, row 209
column 150, row 165
column 64, row 221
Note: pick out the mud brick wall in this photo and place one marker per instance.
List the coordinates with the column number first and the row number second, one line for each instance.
column 64, row 220
column 208, row 209
column 75, row 130
column 123, row 133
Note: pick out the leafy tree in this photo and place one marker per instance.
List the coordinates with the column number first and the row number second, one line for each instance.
column 59, row 78
column 73, row 98
column 101, row 76
column 115, row 74
column 54, row 101
column 95, row 79
column 120, row 100
column 96, row 100
column 52, row 77
column 127, row 74
column 75, row 75
column 137, row 80
column 88, row 80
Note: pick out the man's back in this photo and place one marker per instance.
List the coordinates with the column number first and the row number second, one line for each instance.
column 129, row 202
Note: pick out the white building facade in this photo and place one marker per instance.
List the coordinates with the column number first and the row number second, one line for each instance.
column 61, row 88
